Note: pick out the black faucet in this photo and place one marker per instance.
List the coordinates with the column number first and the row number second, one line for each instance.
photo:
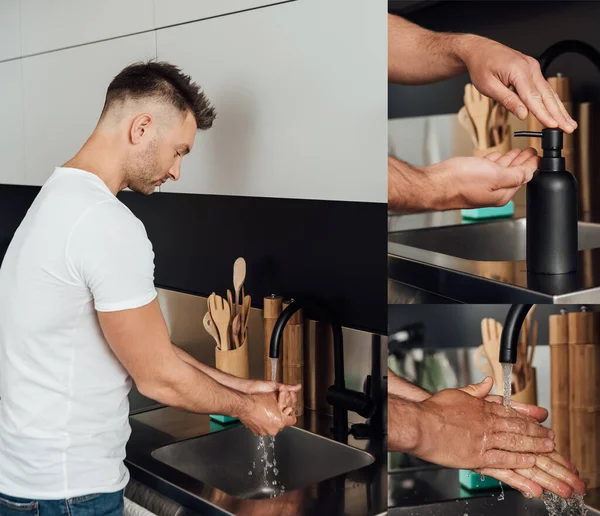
column 510, row 333
column 338, row 396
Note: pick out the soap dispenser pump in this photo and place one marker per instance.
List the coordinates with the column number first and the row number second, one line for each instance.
column 551, row 210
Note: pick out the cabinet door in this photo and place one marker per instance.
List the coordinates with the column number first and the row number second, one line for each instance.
column 51, row 25
column 10, row 29
column 12, row 146
column 63, row 97
column 300, row 93
column 172, row 12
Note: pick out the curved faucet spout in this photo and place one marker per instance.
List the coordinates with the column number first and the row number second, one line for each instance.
column 510, row 333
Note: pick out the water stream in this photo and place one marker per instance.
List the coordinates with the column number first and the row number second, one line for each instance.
column 555, row 505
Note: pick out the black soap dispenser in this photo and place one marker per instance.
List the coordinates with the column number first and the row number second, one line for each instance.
column 551, row 210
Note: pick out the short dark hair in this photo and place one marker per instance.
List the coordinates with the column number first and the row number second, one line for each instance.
column 164, row 81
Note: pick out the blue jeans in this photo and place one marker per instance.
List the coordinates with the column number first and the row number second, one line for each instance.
column 100, row 504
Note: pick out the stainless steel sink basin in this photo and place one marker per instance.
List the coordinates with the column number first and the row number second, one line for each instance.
column 490, row 241
column 223, row 460
column 514, row 504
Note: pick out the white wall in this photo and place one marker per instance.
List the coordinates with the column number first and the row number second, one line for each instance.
column 300, row 89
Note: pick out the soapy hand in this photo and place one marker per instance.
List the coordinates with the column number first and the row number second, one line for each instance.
column 286, row 394
column 461, row 430
column 466, row 182
column 262, row 414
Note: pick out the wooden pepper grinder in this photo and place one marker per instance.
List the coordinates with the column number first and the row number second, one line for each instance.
column 584, row 401
column 272, row 311
column 559, row 381
column 293, row 355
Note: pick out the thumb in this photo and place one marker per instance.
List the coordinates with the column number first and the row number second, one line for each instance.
column 479, row 390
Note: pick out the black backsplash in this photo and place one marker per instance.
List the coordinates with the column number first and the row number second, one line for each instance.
column 331, row 249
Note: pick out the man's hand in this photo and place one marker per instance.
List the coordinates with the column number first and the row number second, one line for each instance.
column 286, row 394
column 460, row 182
column 461, row 430
column 551, row 471
column 262, row 414
column 494, row 67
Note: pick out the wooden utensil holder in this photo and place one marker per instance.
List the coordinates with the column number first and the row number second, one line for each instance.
column 293, row 356
column 503, row 147
column 584, row 402
column 529, row 393
column 559, row 382
column 235, row 361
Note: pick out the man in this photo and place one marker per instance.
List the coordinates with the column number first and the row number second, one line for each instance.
column 419, row 56
column 466, row 428
column 79, row 315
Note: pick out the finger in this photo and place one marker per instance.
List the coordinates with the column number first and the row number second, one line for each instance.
column 520, row 443
column 557, row 457
column 556, row 470
column 479, row 390
column 508, row 157
column 547, row 481
column 513, row 177
column 493, row 156
column 505, row 459
column 528, row 487
column 553, row 104
column 572, row 123
column 538, row 413
column 288, row 411
column 509, row 99
column 524, row 156
column 533, row 100
column 523, row 426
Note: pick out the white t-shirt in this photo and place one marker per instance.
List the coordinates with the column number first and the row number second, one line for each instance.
column 64, row 412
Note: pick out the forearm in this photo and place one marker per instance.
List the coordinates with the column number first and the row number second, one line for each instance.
column 233, row 382
column 420, row 56
column 401, row 388
column 410, row 189
column 404, row 424
column 181, row 385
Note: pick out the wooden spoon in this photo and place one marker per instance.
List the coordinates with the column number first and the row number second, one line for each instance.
column 239, row 276
column 478, row 107
column 209, row 326
column 219, row 311
column 465, row 121
column 235, row 330
column 491, row 331
column 230, row 301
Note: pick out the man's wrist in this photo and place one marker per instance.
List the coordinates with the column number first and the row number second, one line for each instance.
column 242, row 405
column 462, row 46
column 410, row 189
column 405, row 426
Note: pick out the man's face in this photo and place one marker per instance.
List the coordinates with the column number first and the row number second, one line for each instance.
column 160, row 159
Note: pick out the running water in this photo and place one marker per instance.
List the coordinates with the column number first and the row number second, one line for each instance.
column 507, row 371
column 266, row 447
column 555, row 505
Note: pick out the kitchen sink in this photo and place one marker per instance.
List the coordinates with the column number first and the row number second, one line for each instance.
column 514, row 503
column 224, row 459
column 488, row 241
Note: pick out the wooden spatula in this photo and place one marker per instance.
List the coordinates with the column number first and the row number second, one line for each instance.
column 245, row 317
column 219, row 311
column 230, row 301
column 235, row 330
column 478, row 107
column 239, row 276
column 210, row 327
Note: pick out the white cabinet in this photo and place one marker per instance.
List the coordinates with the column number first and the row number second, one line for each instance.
column 10, row 29
column 171, row 12
column 63, row 97
column 300, row 93
column 50, row 25
column 11, row 123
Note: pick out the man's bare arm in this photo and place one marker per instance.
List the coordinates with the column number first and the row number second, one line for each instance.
column 401, row 388
column 420, row 56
